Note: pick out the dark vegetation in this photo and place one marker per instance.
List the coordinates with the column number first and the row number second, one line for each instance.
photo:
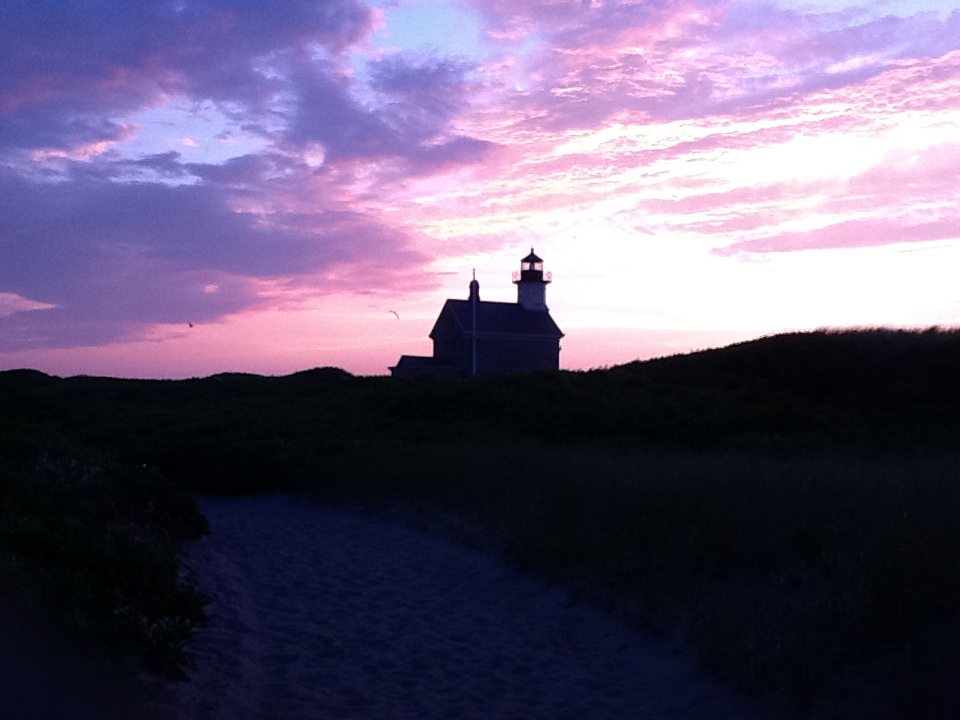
column 790, row 504
column 94, row 545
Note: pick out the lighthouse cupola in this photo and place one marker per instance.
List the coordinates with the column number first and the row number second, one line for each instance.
column 532, row 283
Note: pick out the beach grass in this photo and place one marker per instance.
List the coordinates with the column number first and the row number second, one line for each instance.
column 783, row 570
column 788, row 505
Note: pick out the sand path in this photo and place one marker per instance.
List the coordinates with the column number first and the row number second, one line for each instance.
column 327, row 613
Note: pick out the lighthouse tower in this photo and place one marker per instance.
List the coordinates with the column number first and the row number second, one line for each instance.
column 532, row 283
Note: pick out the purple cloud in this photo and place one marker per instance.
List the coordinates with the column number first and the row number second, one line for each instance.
column 118, row 242
column 115, row 257
column 65, row 68
column 410, row 123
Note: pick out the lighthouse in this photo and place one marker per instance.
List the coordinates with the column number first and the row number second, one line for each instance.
column 474, row 337
column 532, row 283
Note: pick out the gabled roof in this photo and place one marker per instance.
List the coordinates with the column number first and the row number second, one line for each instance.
column 500, row 317
column 420, row 365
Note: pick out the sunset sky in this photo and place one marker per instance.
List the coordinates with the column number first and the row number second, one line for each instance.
column 289, row 177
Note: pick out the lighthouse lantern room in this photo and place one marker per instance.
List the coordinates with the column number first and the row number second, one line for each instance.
column 532, row 283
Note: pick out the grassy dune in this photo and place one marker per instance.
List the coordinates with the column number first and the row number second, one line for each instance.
column 783, row 569
column 788, row 504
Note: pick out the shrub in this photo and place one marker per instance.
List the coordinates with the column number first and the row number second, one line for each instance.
column 96, row 545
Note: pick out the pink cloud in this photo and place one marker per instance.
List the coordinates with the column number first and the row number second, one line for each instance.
column 881, row 201
column 851, row 234
column 534, row 173
column 11, row 303
column 684, row 59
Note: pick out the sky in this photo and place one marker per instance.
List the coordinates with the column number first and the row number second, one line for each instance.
column 190, row 187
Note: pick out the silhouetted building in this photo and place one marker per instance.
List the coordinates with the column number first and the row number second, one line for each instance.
column 476, row 337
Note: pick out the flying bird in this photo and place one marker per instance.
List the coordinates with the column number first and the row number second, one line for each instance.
column 190, row 324
column 395, row 313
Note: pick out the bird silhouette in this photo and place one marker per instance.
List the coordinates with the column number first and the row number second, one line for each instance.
column 395, row 313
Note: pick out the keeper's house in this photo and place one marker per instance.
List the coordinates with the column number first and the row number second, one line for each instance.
column 475, row 337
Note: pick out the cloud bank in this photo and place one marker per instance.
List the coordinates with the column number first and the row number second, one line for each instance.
column 102, row 241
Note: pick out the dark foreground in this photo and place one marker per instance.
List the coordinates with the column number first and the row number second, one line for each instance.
column 788, row 506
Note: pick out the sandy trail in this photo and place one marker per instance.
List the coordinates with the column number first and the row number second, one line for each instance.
column 327, row 613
